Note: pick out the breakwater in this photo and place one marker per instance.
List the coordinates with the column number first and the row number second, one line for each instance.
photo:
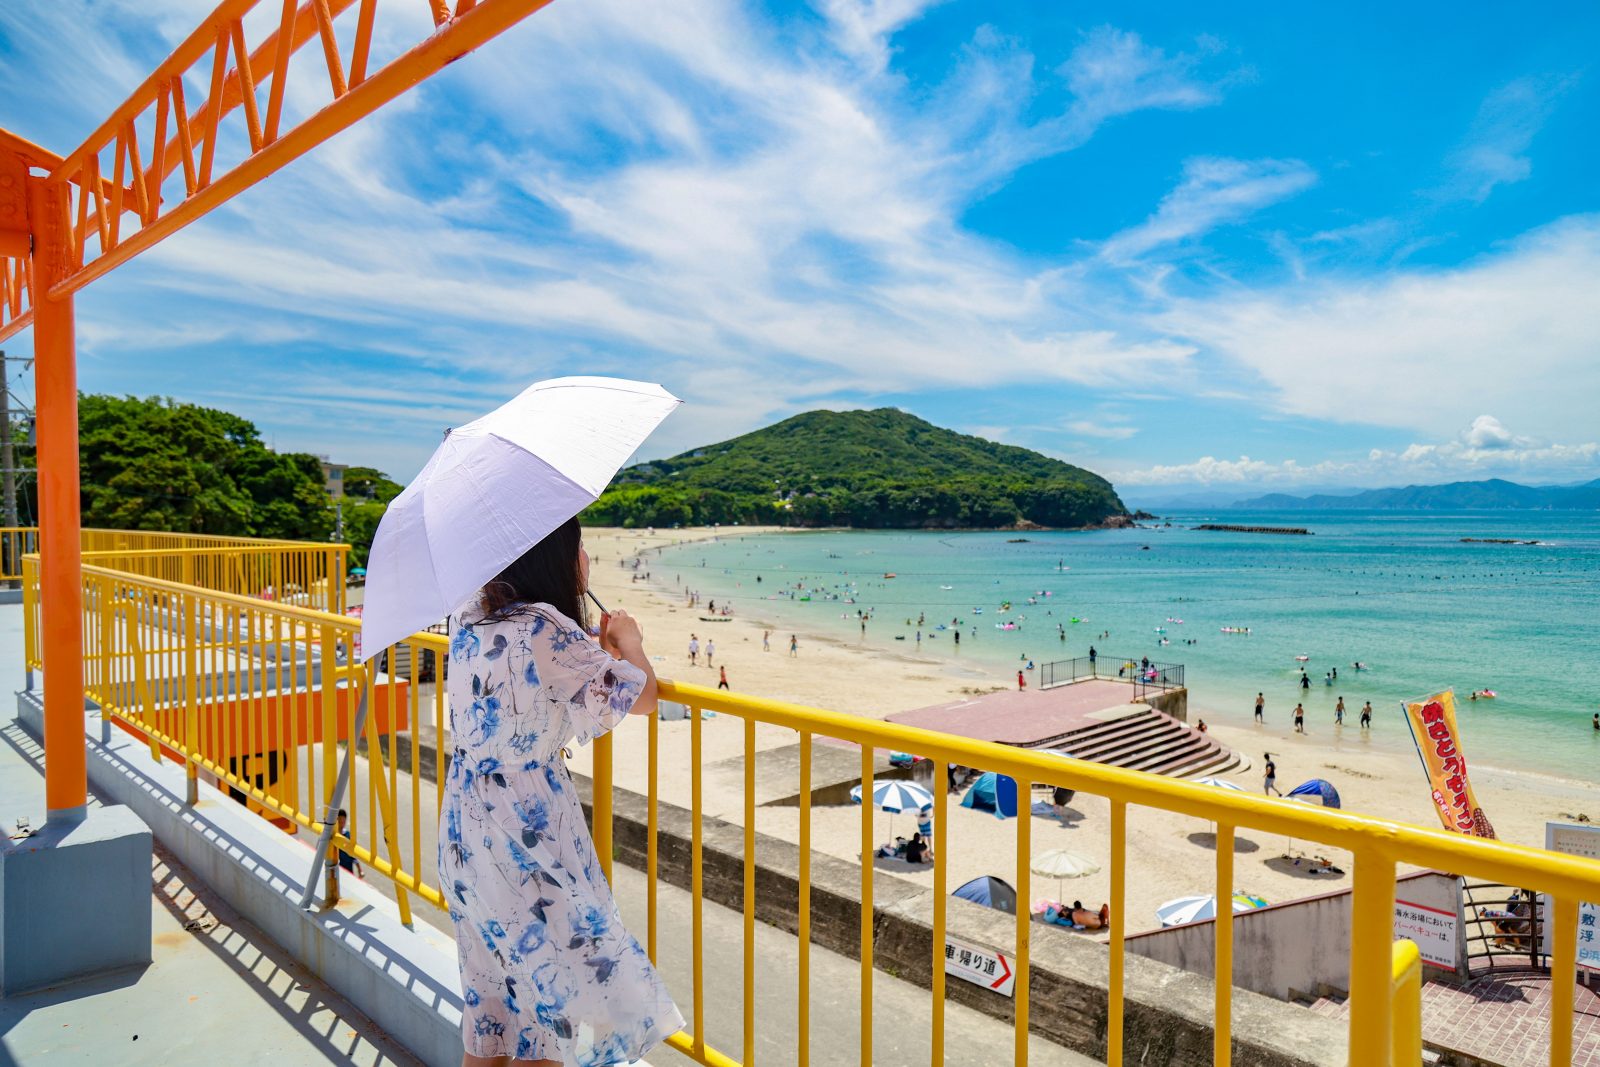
column 1300, row 530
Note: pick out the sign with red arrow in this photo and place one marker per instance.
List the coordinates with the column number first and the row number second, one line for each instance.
column 981, row 966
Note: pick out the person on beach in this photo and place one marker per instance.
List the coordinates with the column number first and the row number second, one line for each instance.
column 1201, row 726
column 957, row 637
column 549, row 974
column 1299, row 719
column 694, row 650
column 1366, row 715
column 1022, row 683
column 722, row 677
column 1269, row 783
column 1305, row 680
column 711, row 650
column 794, row 645
column 1091, row 659
column 766, row 643
column 1338, row 713
column 1597, row 720
column 1261, row 702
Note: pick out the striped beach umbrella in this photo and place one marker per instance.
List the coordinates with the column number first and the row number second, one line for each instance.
column 1220, row 783
column 1199, row 908
column 895, row 795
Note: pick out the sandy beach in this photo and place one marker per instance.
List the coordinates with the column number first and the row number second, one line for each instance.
column 1169, row 855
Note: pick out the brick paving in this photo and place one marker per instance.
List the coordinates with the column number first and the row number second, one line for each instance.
column 1503, row 1019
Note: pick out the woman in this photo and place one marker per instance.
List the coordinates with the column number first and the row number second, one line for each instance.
column 548, row 974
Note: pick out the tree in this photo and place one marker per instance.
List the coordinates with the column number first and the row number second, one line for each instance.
column 158, row 464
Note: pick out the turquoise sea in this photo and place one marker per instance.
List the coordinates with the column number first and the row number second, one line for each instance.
column 1399, row 592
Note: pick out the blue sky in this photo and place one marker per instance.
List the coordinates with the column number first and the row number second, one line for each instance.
column 1260, row 247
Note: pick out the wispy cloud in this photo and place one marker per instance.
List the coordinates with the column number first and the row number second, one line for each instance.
column 1425, row 348
column 1495, row 150
column 1213, row 192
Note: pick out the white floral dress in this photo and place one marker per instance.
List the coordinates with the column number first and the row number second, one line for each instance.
column 547, row 970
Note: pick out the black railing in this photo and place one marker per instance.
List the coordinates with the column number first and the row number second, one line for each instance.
column 1503, row 927
column 1144, row 674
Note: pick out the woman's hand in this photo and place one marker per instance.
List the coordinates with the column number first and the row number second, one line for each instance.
column 624, row 639
column 623, row 634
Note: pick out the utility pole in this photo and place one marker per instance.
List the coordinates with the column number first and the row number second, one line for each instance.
column 7, row 464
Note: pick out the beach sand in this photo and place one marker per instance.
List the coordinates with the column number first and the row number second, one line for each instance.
column 1168, row 855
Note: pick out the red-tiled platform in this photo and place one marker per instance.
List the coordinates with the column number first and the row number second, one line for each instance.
column 1503, row 1019
column 1090, row 720
column 1028, row 718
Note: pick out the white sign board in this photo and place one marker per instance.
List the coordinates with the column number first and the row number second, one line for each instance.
column 1576, row 839
column 1435, row 932
column 980, row 966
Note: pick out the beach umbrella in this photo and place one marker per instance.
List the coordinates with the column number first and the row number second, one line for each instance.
column 1316, row 791
column 1060, row 864
column 895, row 795
column 1219, row 783
column 1199, row 908
column 991, row 892
column 493, row 489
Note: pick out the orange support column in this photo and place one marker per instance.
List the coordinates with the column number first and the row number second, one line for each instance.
column 60, row 580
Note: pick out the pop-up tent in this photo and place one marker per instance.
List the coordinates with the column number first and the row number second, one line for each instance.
column 991, row 892
column 993, row 793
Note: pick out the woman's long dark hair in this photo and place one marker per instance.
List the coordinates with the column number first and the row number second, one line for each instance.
column 546, row 573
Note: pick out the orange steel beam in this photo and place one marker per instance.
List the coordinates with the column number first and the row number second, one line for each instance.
column 352, row 100
column 60, row 583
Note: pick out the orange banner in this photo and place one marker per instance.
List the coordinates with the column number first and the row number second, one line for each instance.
column 1433, row 727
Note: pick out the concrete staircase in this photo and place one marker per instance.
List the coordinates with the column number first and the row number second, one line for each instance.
column 1141, row 739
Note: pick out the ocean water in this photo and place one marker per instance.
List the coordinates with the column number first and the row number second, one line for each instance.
column 1399, row 592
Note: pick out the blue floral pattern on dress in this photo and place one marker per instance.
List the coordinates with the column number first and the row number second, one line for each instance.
column 548, row 969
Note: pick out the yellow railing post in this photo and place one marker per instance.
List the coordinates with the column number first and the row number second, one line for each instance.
column 1406, row 1005
column 191, row 698
column 1371, row 957
column 601, row 780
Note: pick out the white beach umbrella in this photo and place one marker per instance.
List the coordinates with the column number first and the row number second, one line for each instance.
column 1060, row 864
column 1199, row 908
column 493, row 489
column 1218, row 783
column 895, row 795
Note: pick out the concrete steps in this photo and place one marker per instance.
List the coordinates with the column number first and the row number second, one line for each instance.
column 1147, row 740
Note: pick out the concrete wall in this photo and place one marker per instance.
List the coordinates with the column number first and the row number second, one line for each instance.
column 1172, row 702
column 1168, row 1012
column 1300, row 948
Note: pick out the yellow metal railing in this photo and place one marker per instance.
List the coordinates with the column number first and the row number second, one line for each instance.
column 1405, row 996
column 16, row 542
column 259, row 696
column 1384, row 1002
column 305, row 573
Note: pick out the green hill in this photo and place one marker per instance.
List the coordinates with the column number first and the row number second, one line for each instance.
column 873, row 469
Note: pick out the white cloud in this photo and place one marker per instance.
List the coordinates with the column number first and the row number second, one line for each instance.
column 1426, row 349
column 1111, row 431
column 862, row 28
column 1495, row 149
column 1484, row 449
column 1213, row 192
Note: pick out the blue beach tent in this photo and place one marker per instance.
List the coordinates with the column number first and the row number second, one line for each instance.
column 991, row 892
column 993, row 793
column 1317, row 790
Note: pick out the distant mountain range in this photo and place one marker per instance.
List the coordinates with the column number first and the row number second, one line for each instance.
column 1495, row 494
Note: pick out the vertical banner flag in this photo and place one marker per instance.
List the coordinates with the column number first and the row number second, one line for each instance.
column 1433, row 728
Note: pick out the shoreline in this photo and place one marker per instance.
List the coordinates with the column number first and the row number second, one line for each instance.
column 1168, row 854
column 997, row 678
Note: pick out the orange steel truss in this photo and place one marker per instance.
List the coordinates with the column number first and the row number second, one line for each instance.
column 159, row 162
